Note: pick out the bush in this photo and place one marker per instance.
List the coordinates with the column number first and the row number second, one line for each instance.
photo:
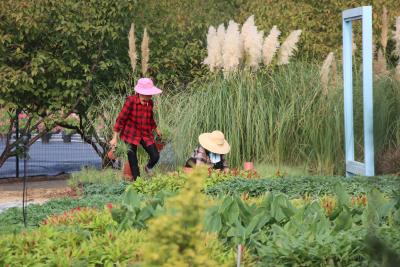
column 320, row 21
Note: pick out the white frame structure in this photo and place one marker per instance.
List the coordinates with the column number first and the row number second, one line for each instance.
column 365, row 15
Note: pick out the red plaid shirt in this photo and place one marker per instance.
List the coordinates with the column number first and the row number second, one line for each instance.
column 136, row 121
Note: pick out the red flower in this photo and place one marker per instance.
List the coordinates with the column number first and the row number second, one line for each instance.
column 109, row 206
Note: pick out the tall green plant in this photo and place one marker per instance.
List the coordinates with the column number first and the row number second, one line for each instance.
column 281, row 116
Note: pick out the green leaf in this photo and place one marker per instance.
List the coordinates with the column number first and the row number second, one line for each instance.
column 131, row 199
column 343, row 197
column 343, row 221
column 213, row 223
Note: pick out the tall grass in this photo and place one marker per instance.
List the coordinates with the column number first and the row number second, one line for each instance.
column 278, row 117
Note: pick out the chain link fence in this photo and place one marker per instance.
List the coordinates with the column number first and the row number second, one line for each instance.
column 52, row 155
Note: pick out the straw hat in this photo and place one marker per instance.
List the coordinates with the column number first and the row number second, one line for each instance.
column 214, row 142
column 145, row 86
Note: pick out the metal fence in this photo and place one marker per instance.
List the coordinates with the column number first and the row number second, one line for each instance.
column 52, row 158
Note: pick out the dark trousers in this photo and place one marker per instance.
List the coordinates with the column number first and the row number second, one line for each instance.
column 133, row 160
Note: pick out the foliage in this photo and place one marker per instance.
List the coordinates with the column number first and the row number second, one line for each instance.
column 279, row 234
column 296, row 187
column 56, row 56
column 178, row 40
column 96, row 221
column 88, row 176
column 12, row 220
column 320, row 21
column 175, row 238
column 173, row 181
column 70, row 246
column 135, row 209
column 50, row 50
column 170, row 182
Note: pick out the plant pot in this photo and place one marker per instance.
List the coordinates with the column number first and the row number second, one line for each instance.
column 127, row 171
column 187, row 170
column 248, row 166
column 46, row 138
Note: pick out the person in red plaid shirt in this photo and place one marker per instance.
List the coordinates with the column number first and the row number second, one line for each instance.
column 135, row 125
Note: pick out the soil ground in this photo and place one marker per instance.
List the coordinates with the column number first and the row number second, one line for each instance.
column 39, row 190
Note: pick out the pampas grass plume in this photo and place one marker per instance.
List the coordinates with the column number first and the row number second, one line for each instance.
column 132, row 47
column 271, row 45
column 145, row 52
column 288, row 47
column 385, row 29
column 213, row 59
column 396, row 38
column 252, row 43
column 325, row 70
column 232, row 52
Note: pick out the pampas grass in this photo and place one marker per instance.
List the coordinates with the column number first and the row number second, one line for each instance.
column 252, row 43
column 228, row 48
column 353, row 45
column 334, row 73
column 132, row 47
column 232, row 51
column 381, row 64
column 213, row 59
column 221, row 40
column 145, row 52
column 271, row 45
column 288, row 47
column 397, row 72
column 325, row 70
column 396, row 38
column 385, row 29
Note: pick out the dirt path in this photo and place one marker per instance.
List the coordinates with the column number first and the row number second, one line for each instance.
column 38, row 191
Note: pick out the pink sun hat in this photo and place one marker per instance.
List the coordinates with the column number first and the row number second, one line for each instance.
column 145, row 86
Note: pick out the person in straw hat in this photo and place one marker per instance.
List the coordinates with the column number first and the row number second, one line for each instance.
column 211, row 151
column 135, row 125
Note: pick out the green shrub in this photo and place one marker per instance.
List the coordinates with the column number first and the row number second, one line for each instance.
column 321, row 21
